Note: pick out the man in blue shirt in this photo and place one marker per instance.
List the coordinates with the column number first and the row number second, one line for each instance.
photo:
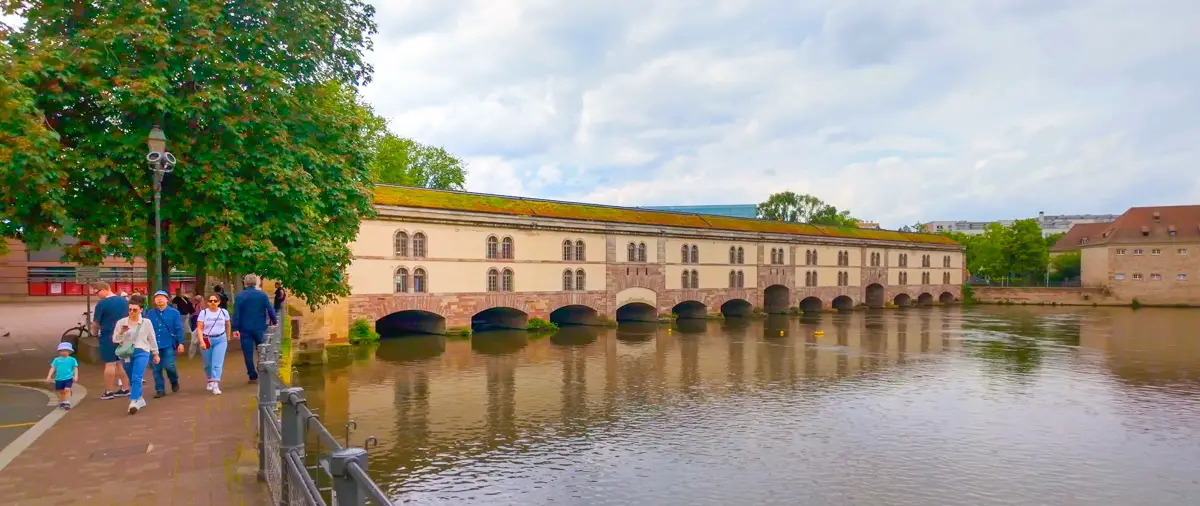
column 109, row 311
column 251, row 311
column 168, row 332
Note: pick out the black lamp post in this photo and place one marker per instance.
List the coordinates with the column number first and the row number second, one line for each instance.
column 161, row 162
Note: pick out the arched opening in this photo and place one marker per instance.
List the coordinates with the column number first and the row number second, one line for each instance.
column 776, row 299
column 811, row 305
column 499, row 318
column 902, row 300
column 946, row 298
column 736, row 307
column 875, row 296
column 574, row 315
column 410, row 322
column 925, row 299
column 690, row 309
column 843, row 303
column 636, row 312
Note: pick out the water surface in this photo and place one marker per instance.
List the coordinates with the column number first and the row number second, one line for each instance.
column 930, row 406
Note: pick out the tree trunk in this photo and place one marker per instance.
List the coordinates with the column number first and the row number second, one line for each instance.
column 201, row 287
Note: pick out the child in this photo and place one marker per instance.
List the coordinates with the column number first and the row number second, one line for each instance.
column 64, row 370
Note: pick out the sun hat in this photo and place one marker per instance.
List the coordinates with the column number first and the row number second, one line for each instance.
column 163, row 293
column 65, row 346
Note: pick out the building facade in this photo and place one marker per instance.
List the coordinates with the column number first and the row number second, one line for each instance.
column 40, row 274
column 1151, row 254
column 1050, row 224
column 434, row 260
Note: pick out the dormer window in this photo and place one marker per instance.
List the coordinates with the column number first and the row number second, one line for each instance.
column 1145, row 231
column 1083, row 240
column 1156, row 216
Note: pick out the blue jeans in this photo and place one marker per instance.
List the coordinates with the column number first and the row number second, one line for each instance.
column 166, row 360
column 214, row 357
column 250, row 341
column 137, row 370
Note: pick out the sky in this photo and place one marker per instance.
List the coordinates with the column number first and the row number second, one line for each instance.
column 900, row 110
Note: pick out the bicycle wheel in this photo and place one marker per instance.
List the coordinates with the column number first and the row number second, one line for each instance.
column 73, row 336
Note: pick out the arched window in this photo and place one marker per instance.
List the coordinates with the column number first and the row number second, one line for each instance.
column 695, row 279
column 493, row 247
column 401, row 280
column 632, row 252
column 815, row 282
column 684, row 281
column 401, row 244
column 506, row 282
column 419, row 284
column 807, row 257
column 506, row 248
column 568, row 250
column 807, row 278
column 732, row 279
column 579, row 251
column 419, row 245
column 732, row 255
column 493, row 280
column 741, row 255
column 684, row 253
column 741, row 280
column 642, row 252
column 695, row 254
column 580, row 280
column 815, row 261
column 945, row 278
column 568, row 279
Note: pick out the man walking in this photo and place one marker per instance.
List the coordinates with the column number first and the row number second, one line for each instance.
column 168, row 332
column 280, row 297
column 111, row 309
column 251, row 311
column 185, row 308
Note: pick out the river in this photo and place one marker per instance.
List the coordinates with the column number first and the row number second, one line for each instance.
column 989, row 405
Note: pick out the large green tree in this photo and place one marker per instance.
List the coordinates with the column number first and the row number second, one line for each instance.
column 406, row 162
column 803, row 208
column 257, row 100
column 1002, row 252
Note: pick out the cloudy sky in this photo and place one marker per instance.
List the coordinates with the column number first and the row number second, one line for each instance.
column 900, row 110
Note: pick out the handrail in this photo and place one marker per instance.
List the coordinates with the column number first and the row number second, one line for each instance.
column 364, row 481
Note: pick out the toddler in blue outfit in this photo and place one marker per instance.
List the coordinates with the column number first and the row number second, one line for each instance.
column 64, row 370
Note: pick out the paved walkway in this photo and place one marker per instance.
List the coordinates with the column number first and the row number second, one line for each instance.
column 187, row 448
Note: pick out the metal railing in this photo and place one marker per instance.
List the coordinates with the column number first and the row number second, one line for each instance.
column 284, row 422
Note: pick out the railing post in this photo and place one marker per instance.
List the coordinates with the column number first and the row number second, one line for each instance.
column 291, row 434
column 267, row 400
column 345, row 489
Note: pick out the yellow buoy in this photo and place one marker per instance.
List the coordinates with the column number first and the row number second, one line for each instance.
column 781, row 332
column 819, row 333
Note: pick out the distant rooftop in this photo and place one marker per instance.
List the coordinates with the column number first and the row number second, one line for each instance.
column 731, row 210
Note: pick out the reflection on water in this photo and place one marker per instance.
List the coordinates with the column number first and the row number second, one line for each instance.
column 990, row 405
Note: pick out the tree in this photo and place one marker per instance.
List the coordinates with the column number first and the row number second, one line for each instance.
column 407, row 162
column 257, row 99
column 797, row 208
column 1065, row 266
column 1053, row 238
column 1004, row 251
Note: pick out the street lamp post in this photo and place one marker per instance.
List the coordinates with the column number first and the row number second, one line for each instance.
column 161, row 162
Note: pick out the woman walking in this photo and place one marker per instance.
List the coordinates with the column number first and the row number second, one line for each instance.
column 135, row 336
column 213, row 328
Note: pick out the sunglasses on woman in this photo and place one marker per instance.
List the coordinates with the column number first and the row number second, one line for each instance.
column 213, row 301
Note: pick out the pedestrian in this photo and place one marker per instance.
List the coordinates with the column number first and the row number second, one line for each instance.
column 224, row 296
column 280, row 297
column 64, row 370
column 168, row 334
column 213, row 327
column 184, row 305
column 251, row 311
column 135, row 330
column 109, row 310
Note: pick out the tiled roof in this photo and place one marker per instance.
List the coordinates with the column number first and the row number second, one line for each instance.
column 1153, row 225
column 462, row 201
column 1079, row 235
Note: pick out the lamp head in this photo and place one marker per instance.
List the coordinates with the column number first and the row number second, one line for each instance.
column 157, row 141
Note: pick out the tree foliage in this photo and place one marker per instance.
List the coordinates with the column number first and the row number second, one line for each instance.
column 802, row 208
column 406, row 162
column 257, row 100
column 1001, row 252
column 1066, row 266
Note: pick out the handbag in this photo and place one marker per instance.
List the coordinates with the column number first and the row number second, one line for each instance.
column 125, row 350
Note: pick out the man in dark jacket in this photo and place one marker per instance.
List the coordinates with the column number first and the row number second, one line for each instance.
column 251, row 311
column 168, row 331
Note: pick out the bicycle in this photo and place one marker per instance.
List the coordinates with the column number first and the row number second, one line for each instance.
column 74, row 334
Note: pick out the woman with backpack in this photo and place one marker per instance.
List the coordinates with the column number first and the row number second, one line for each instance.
column 213, row 328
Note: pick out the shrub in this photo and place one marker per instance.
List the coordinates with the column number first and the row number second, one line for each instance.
column 361, row 332
column 1136, row 303
column 968, row 295
column 540, row 325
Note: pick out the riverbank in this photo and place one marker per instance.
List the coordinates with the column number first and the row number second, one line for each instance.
column 1052, row 296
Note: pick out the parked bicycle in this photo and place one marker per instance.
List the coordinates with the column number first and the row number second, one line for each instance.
column 74, row 334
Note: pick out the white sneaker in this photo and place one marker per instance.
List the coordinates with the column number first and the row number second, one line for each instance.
column 209, row 386
column 216, row 390
column 133, row 407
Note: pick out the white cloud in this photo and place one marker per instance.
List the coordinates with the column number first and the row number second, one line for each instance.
column 900, row 111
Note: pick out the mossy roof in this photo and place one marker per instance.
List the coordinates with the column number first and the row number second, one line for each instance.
column 401, row 196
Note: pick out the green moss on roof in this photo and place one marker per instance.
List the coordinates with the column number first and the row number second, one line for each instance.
column 461, row 201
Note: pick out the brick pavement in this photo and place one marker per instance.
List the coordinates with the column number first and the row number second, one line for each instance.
column 190, row 448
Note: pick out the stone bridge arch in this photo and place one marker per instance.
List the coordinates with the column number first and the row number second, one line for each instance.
column 811, row 304
column 411, row 321
column 575, row 314
column 690, row 309
column 925, row 299
column 497, row 318
column 737, row 307
column 777, row 299
column 843, row 303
